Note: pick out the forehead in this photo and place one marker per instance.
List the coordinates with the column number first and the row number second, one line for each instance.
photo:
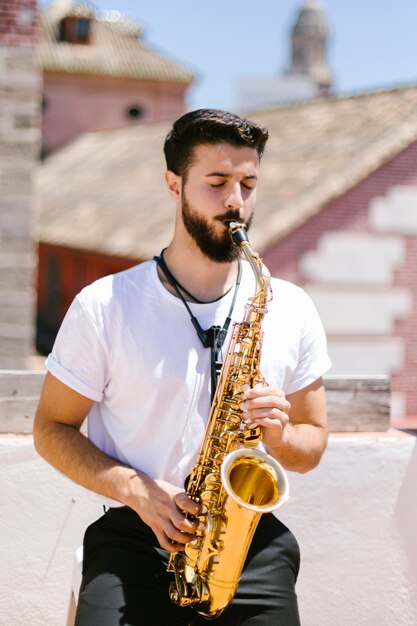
column 224, row 157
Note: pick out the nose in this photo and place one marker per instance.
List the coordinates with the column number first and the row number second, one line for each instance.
column 234, row 199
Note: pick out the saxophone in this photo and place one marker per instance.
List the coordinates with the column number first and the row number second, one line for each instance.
column 233, row 481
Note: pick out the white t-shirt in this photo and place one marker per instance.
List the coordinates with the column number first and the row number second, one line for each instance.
column 129, row 345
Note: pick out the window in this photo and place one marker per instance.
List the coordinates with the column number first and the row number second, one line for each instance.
column 135, row 112
column 75, row 30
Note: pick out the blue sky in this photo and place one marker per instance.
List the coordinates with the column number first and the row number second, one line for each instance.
column 373, row 43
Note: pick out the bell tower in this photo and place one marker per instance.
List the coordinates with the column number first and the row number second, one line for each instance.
column 308, row 50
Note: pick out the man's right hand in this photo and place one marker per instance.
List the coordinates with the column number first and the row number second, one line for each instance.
column 164, row 508
column 58, row 439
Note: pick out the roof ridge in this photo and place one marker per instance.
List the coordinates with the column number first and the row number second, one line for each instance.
column 332, row 98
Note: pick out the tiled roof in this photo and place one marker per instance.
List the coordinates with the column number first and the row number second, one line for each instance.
column 115, row 49
column 321, row 149
column 106, row 190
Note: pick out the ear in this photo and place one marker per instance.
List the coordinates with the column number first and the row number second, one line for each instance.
column 173, row 182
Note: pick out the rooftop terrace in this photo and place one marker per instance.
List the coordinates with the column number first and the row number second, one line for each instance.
column 355, row 516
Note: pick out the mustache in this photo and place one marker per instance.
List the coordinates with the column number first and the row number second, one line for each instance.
column 234, row 216
column 229, row 216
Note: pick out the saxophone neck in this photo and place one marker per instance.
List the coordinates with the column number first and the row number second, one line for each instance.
column 262, row 275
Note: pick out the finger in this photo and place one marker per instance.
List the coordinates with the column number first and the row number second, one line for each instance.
column 167, row 543
column 176, row 535
column 186, row 504
column 266, row 413
column 262, row 390
column 183, row 521
column 268, row 422
column 184, row 524
column 267, row 402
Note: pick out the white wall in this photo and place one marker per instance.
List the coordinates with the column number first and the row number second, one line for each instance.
column 42, row 516
column 355, row 517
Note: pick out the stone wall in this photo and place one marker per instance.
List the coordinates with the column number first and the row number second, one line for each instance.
column 20, row 88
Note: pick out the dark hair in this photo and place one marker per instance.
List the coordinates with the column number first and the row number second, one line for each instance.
column 209, row 126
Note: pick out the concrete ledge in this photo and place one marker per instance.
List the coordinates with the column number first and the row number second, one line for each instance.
column 358, row 403
column 355, row 403
column 19, row 395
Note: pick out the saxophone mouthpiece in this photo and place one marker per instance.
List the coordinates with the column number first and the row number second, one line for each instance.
column 238, row 233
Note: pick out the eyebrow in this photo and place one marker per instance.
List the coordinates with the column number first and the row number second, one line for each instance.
column 223, row 175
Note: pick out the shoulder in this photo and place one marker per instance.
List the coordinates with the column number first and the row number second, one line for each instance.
column 278, row 285
column 295, row 308
column 115, row 287
column 286, row 296
column 290, row 294
column 282, row 286
column 108, row 298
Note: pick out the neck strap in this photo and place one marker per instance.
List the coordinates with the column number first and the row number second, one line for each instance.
column 175, row 283
column 214, row 336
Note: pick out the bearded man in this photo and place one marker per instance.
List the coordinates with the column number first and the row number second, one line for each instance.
column 128, row 356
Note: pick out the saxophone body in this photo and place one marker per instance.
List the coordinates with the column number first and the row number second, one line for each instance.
column 235, row 482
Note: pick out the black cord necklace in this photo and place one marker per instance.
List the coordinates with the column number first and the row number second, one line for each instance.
column 214, row 336
column 176, row 283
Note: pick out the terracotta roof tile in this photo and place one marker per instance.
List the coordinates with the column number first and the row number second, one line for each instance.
column 115, row 49
column 106, row 190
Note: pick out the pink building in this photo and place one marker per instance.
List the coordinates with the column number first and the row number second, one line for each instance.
column 99, row 75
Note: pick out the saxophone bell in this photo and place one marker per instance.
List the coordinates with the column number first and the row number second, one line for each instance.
column 255, row 480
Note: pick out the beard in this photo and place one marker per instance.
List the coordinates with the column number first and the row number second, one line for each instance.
column 218, row 248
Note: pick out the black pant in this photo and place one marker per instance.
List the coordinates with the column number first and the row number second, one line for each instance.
column 125, row 582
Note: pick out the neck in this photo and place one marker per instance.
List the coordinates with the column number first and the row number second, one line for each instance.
column 204, row 279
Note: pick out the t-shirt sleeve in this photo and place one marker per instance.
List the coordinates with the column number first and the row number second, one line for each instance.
column 79, row 357
column 313, row 359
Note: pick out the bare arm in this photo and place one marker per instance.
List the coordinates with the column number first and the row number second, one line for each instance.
column 294, row 428
column 58, row 440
